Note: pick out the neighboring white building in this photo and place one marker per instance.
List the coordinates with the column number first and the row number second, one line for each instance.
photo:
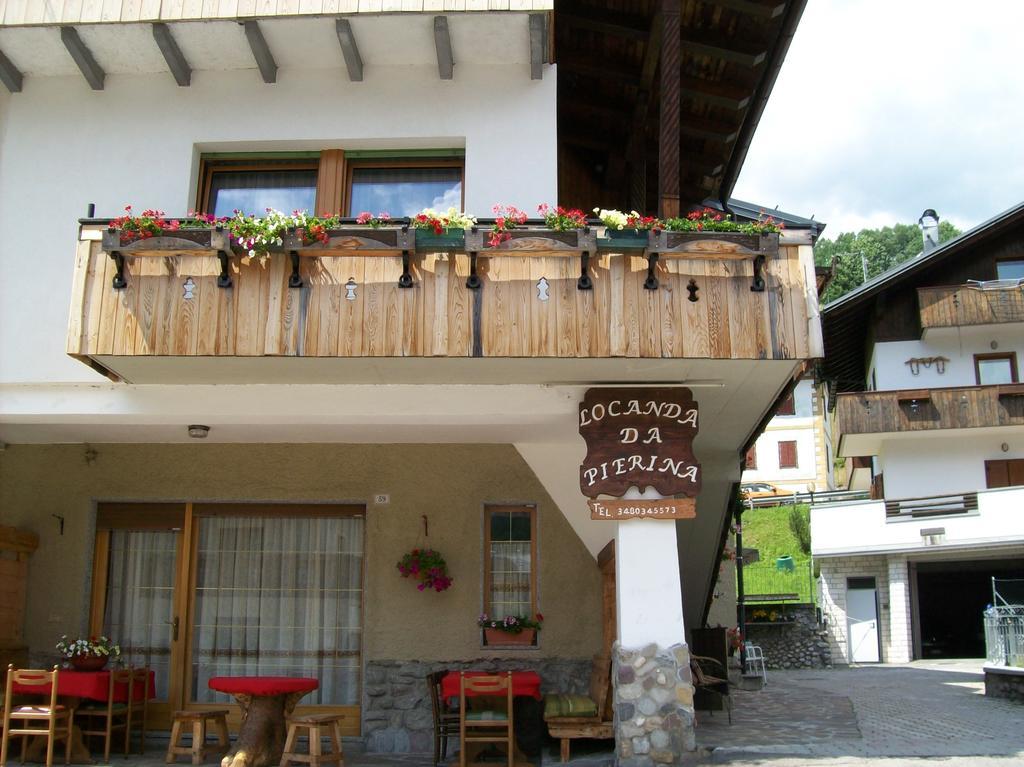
column 926, row 360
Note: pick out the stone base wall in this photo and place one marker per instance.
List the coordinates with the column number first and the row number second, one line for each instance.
column 801, row 644
column 396, row 702
column 653, row 696
column 1008, row 684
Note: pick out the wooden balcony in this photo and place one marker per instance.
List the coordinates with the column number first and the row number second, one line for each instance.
column 861, row 414
column 528, row 304
column 963, row 305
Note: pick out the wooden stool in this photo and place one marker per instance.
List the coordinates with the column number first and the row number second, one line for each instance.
column 313, row 725
column 199, row 749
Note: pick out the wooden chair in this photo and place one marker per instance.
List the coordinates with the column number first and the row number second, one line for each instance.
column 117, row 716
column 599, row 725
column 52, row 721
column 486, row 725
column 312, row 724
column 703, row 680
column 446, row 720
column 198, row 749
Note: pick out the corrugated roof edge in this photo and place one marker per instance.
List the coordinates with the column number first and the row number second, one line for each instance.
column 970, row 237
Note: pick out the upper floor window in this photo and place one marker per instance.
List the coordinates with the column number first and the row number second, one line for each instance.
column 787, row 454
column 1012, row 269
column 788, row 406
column 404, row 190
column 995, row 368
column 751, row 462
column 253, row 186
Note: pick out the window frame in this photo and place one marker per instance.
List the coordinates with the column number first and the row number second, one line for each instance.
column 796, row 454
column 489, row 509
column 400, row 163
column 1011, row 260
column 750, row 460
column 208, row 166
column 1011, row 357
column 788, row 405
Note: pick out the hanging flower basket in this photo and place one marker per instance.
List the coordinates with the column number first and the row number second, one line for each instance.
column 426, row 566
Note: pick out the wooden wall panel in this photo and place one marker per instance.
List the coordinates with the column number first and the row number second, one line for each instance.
column 508, row 317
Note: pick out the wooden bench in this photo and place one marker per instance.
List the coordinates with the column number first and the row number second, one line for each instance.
column 599, row 726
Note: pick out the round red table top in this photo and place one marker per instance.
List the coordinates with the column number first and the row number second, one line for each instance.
column 262, row 685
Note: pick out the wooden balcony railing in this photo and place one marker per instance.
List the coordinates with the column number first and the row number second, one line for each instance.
column 527, row 304
column 880, row 412
column 931, row 506
column 962, row 305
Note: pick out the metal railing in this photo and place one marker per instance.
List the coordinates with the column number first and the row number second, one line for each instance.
column 1004, row 635
column 779, row 582
column 812, row 499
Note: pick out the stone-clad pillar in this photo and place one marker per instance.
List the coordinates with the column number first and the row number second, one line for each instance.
column 653, row 692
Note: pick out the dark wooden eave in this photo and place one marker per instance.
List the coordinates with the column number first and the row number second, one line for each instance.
column 610, row 103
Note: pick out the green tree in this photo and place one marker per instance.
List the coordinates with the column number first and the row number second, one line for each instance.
column 881, row 249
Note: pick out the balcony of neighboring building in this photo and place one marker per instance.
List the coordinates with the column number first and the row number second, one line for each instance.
column 963, row 521
column 978, row 303
column 866, row 419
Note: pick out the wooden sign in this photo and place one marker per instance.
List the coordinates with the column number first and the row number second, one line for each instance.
column 639, row 438
column 667, row 508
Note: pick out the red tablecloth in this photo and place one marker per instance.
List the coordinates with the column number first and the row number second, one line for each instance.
column 262, row 685
column 89, row 684
column 525, row 683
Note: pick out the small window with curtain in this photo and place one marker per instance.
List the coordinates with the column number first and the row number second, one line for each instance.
column 404, row 190
column 787, row 454
column 995, row 368
column 253, row 185
column 510, row 561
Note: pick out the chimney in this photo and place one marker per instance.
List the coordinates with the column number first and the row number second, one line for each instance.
column 929, row 223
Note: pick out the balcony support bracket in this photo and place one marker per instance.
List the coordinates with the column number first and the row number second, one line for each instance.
column 119, row 282
column 473, row 280
column 758, row 286
column 651, row 283
column 294, row 280
column 405, row 279
column 224, row 278
column 584, row 282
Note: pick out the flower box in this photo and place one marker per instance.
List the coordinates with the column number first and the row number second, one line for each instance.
column 349, row 240
column 533, row 240
column 499, row 638
column 89, row 662
column 715, row 244
column 449, row 239
column 186, row 242
column 625, row 239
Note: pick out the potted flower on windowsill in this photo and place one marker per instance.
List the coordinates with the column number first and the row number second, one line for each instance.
column 629, row 230
column 510, row 631
column 441, row 231
column 331, row 235
column 88, row 653
column 152, row 233
column 741, row 238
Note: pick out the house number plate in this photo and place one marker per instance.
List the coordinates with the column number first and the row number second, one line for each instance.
column 666, row 508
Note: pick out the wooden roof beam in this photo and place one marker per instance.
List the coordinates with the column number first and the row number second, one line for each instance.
column 172, row 54
column 668, row 111
column 591, row 67
column 349, row 49
column 91, row 71
column 719, row 94
column 443, row 46
column 726, row 50
column 709, row 129
column 261, row 51
column 749, row 8
column 10, row 75
column 604, row 22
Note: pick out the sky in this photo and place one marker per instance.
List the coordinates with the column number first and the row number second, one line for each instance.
column 884, row 108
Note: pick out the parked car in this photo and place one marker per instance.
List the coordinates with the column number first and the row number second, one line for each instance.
column 762, row 490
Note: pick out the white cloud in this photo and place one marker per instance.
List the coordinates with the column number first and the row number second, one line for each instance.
column 883, row 109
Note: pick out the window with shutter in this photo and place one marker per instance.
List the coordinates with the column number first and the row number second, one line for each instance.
column 787, row 455
column 751, row 458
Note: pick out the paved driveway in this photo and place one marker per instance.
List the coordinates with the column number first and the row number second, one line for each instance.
column 918, row 709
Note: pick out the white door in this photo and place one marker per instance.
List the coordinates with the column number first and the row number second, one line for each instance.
column 862, row 625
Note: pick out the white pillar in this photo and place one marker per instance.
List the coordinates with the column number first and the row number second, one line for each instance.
column 900, row 639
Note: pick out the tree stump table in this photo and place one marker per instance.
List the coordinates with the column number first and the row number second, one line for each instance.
column 265, row 702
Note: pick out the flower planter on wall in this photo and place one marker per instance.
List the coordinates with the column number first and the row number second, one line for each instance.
column 624, row 239
column 715, row 244
column 499, row 638
column 215, row 241
column 354, row 240
column 538, row 240
column 448, row 240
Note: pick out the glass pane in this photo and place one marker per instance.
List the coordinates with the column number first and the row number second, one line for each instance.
column 510, row 562
column 253, row 191
column 1010, row 270
column 279, row 597
column 520, row 523
column 995, row 371
column 405, row 191
column 140, row 600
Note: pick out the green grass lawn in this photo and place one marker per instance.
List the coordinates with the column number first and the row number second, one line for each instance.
column 767, row 529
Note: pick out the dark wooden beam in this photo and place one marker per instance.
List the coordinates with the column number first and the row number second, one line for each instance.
column 172, row 54
column 719, row 94
column 349, row 49
column 605, row 22
column 596, row 68
column 538, row 45
column 10, row 75
column 92, row 71
column 443, row 45
column 261, row 51
column 668, row 119
column 770, row 11
column 700, row 127
column 727, row 50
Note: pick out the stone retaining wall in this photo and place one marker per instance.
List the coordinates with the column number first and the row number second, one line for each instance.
column 396, row 702
column 1005, row 683
column 801, row 644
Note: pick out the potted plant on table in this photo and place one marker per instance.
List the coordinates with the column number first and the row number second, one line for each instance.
column 88, row 653
column 515, row 630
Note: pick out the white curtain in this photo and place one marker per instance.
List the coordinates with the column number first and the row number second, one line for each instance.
column 279, row 597
column 140, row 599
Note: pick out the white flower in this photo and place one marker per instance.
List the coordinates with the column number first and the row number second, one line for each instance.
column 613, row 219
